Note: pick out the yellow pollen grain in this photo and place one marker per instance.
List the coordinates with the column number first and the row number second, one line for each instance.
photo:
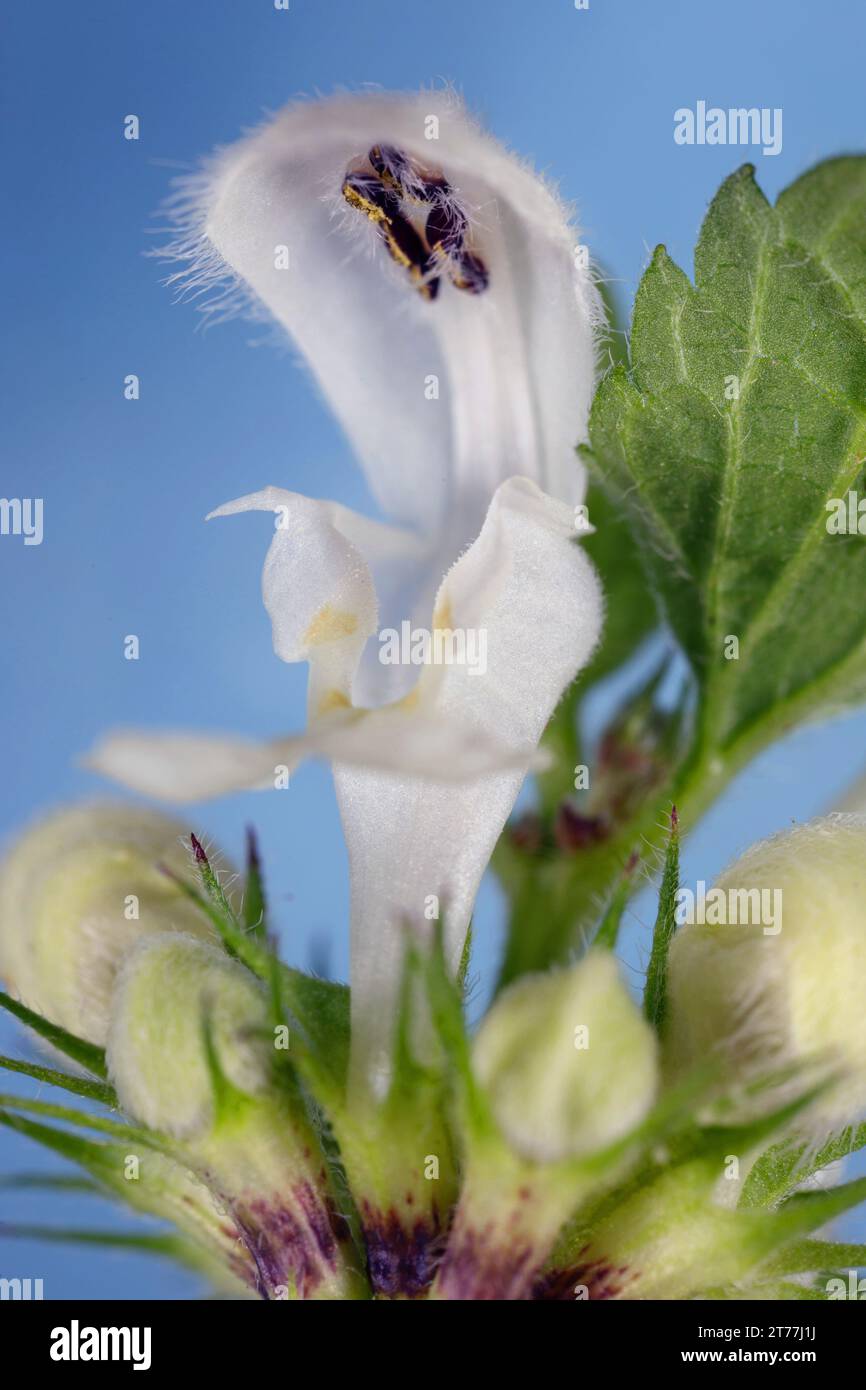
column 329, row 625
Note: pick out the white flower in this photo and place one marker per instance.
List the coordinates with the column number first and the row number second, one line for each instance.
column 442, row 399
column 425, row 781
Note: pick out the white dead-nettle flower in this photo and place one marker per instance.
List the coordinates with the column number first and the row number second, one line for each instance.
column 410, row 261
column 768, row 997
column 77, row 892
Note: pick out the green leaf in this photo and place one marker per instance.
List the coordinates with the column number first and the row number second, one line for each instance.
column 815, row 1256
column 785, row 1166
column 743, row 413
column 157, row 1244
column 48, row 1182
column 77, row 1085
column 608, row 932
column 168, row 1244
column 151, row 1139
column 102, row 1160
column 631, row 613
column 85, row 1053
column 805, row 1211
column 655, row 996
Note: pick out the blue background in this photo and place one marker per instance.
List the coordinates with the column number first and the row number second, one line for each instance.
column 589, row 96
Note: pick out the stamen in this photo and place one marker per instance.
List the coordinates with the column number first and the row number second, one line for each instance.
column 379, row 196
column 446, row 228
column 394, row 168
column 407, row 249
column 470, row 273
column 370, row 196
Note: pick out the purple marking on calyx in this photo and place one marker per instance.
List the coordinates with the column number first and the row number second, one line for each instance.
column 601, row 1279
column 294, row 1242
column 478, row 1267
column 401, row 1258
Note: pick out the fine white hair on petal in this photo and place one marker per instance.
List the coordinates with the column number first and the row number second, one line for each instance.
column 515, row 367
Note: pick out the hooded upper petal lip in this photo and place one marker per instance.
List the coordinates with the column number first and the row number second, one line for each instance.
column 514, row 367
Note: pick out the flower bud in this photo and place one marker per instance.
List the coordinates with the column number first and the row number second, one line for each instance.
column 775, row 972
column 568, row 1066
column 192, row 1052
column 169, row 993
column 77, row 892
column 567, row 1060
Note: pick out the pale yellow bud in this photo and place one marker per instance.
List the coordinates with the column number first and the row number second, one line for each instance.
column 567, row 1060
column 779, row 974
column 168, row 993
column 77, row 891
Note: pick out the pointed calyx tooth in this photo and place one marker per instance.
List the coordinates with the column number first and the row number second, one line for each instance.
column 77, row 892
column 767, row 971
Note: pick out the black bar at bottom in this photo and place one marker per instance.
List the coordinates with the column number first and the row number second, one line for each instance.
column 66, row 1338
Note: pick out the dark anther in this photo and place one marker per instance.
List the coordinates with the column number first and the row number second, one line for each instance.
column 394, row 168
column 468, row 272
column 434, row 188
column 402, row 175
column 407, row 249
column 377, row 201
column 370, row 196
column 380, row 195
column 446, row 228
